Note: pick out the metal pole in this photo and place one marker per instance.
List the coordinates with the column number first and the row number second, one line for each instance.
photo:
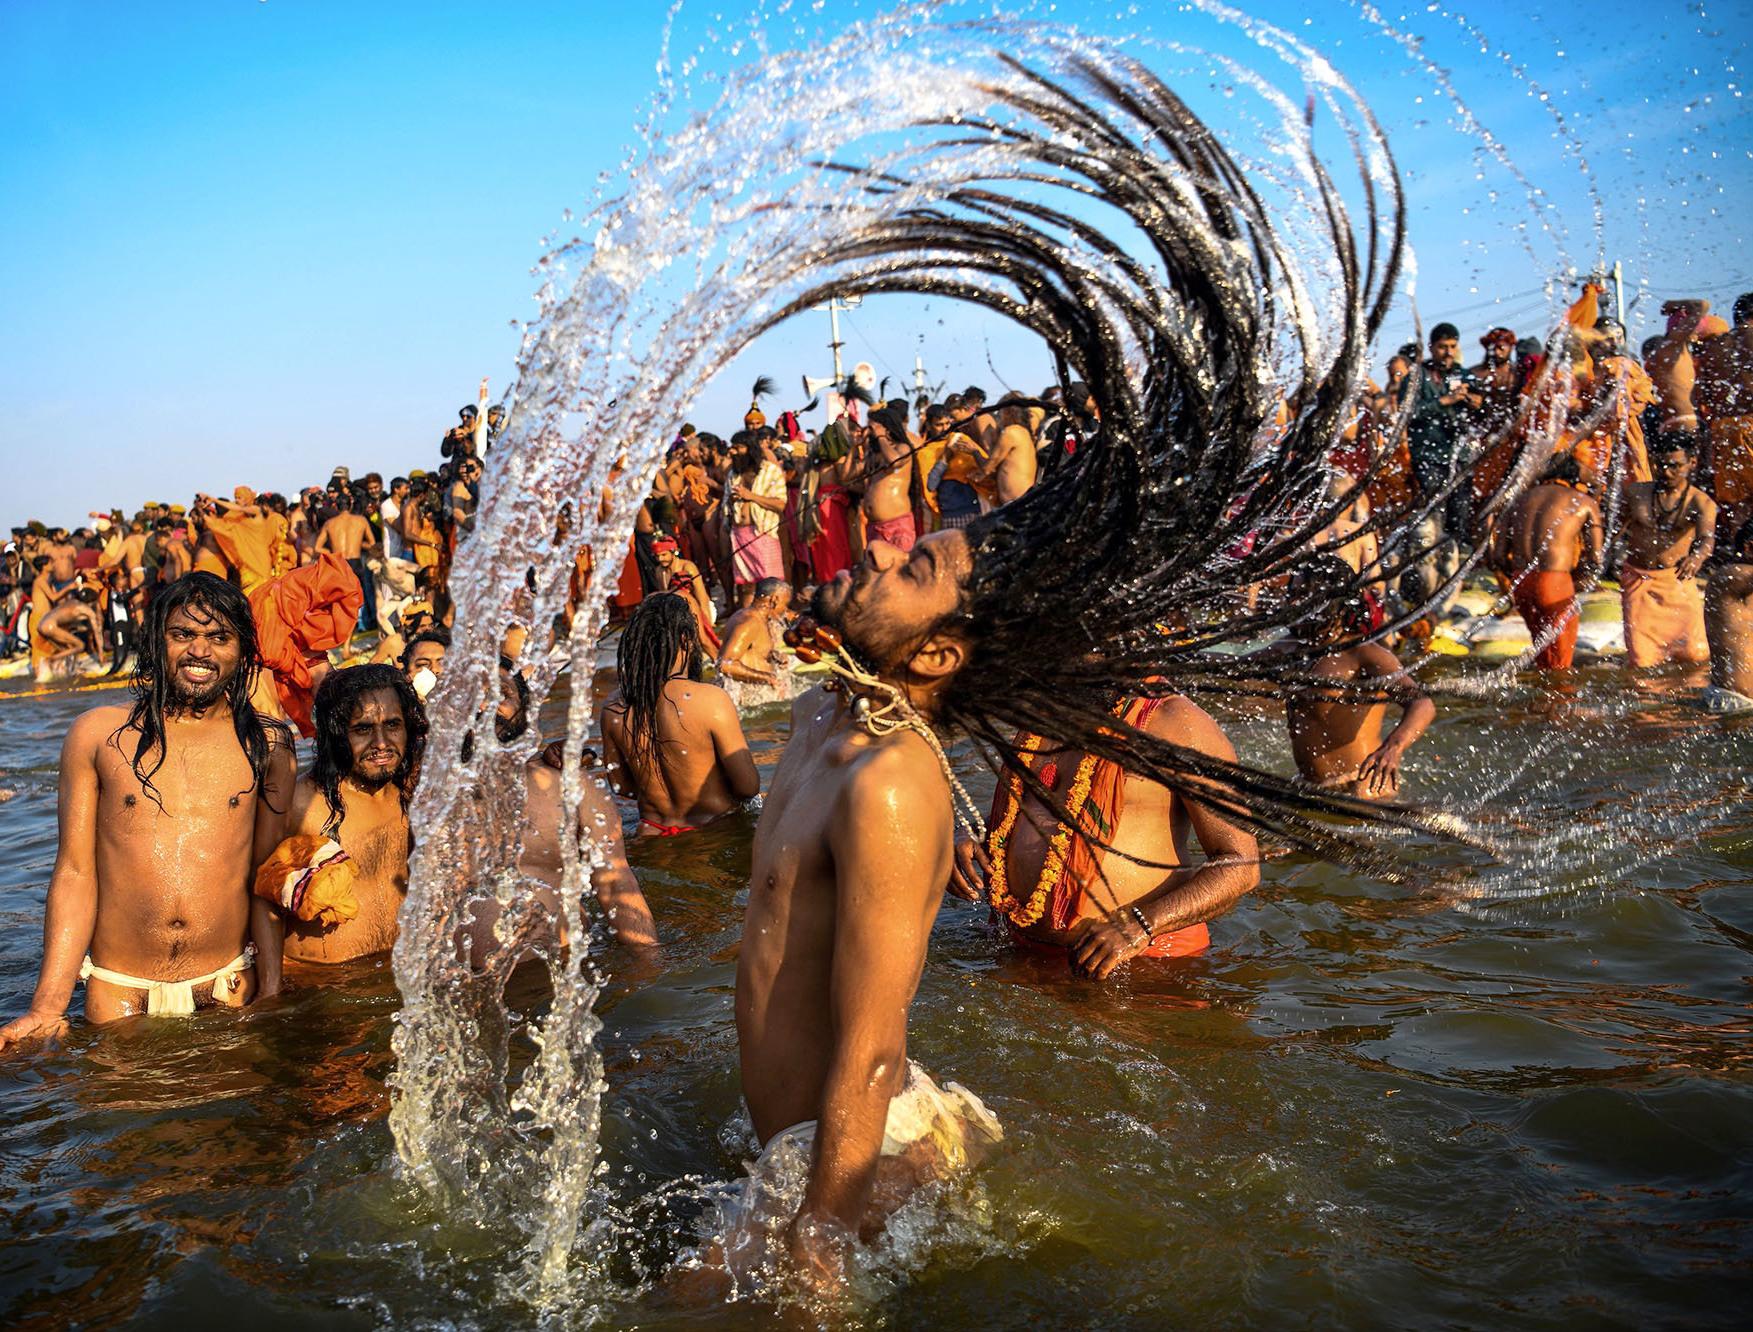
column 1619, row 293
column 834, row 323
column 918, row 376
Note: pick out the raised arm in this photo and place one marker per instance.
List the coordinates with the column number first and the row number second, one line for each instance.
column 890, row 835
column 70, row 913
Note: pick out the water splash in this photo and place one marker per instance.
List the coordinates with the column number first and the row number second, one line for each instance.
column 729, row 217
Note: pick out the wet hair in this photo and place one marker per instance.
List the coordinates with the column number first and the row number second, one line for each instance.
column 507, row 729
column 1564, row 468
column 1137, row 550
column 1443, row 333
column 337, row 699
column 770, row 587
column 894, row 423
column 661, row 626
column 212, row 597
column 1674, row 441
column 436, row 634
column 1743, row 308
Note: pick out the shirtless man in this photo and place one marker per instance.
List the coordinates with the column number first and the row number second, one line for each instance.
column 1146, row 822
column 684, row 578
column 166, row 808
column 1724, row 393
column 1008, row 472
column 1336, row 721
column 1552, row 531
column 371, row 734
column 349, row 535
column 598, row 830
column 1728, row 621
column 751, row 650
column 1671, row 367
column 849, row 864
column 888, row 501
column 672, row 743
column 58, row 613
column 1670, row 529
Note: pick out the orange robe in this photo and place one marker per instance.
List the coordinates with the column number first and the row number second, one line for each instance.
column 251, row 543
column 299, row 617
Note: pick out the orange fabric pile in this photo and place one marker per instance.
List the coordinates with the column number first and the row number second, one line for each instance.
column 299, row 617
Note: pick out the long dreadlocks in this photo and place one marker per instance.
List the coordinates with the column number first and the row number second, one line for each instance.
column 1133, row 555
column 206, row 598
column 661, row 627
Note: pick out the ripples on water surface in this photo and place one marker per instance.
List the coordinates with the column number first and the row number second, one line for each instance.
column 1373, row 1106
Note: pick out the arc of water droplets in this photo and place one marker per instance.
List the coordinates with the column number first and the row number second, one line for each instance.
column 721, row 220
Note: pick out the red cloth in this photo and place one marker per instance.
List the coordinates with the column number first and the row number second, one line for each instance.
column 299, row 617
column 1546, row 599
column 629, row 589
column 831, row 551
column 898, row 532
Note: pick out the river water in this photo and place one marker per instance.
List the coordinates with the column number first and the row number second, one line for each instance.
column 1372, row 1106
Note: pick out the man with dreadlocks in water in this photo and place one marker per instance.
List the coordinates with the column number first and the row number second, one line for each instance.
column 349, row 817
column 166, row 808
column 673, row 742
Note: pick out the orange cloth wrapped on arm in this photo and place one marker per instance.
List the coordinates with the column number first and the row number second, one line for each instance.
column 310, row 878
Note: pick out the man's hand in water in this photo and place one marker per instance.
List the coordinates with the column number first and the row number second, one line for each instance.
column 1380, row 772
column 1102, row 945
column 32, row 1027
column 970, row 872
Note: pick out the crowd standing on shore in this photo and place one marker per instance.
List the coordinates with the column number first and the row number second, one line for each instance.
column 326, row 614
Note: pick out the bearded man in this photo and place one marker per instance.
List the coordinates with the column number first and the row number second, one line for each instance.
column 371, row 734
column 166, row 808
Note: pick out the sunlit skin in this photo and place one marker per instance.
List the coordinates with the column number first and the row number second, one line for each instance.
column 617, row 890
column 427, row 656
column 1156, row 825
column 751, row 649
column 1671, row 366
column 1728, row 620
column 889, row 466
column 1669, row 522
column 1551, row 528
column 374, row 834
column 1009, row 472
column 704, row 768
column 849, row 863
column 158, row 890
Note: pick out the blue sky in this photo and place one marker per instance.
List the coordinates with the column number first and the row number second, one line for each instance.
column 245, row 241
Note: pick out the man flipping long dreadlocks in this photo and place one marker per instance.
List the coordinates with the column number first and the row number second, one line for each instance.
column 1064, row 616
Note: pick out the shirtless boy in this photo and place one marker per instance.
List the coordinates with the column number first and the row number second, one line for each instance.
column 371, row 734
column 1550, row 532
column 1670, row 529
column 166, row 808
column 1336, row 721
column 672, row 742
column 751, row 650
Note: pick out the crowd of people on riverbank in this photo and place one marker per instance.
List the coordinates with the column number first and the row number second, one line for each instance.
column 239, row 615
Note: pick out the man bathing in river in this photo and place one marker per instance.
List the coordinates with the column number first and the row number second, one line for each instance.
column 1670, row 528
column 1550, row 533
column 371, row 735
column 166, row 808
column 1336, row 717
column 848, row 867
column 888, row 502
column 1057, row 886
column 1728, row 621
column 672, row 742
column 751, row 651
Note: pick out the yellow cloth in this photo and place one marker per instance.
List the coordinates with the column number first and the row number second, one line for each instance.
column 1664, row 617
column 310, row 878
column 1731, row 458
column 177, row 998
